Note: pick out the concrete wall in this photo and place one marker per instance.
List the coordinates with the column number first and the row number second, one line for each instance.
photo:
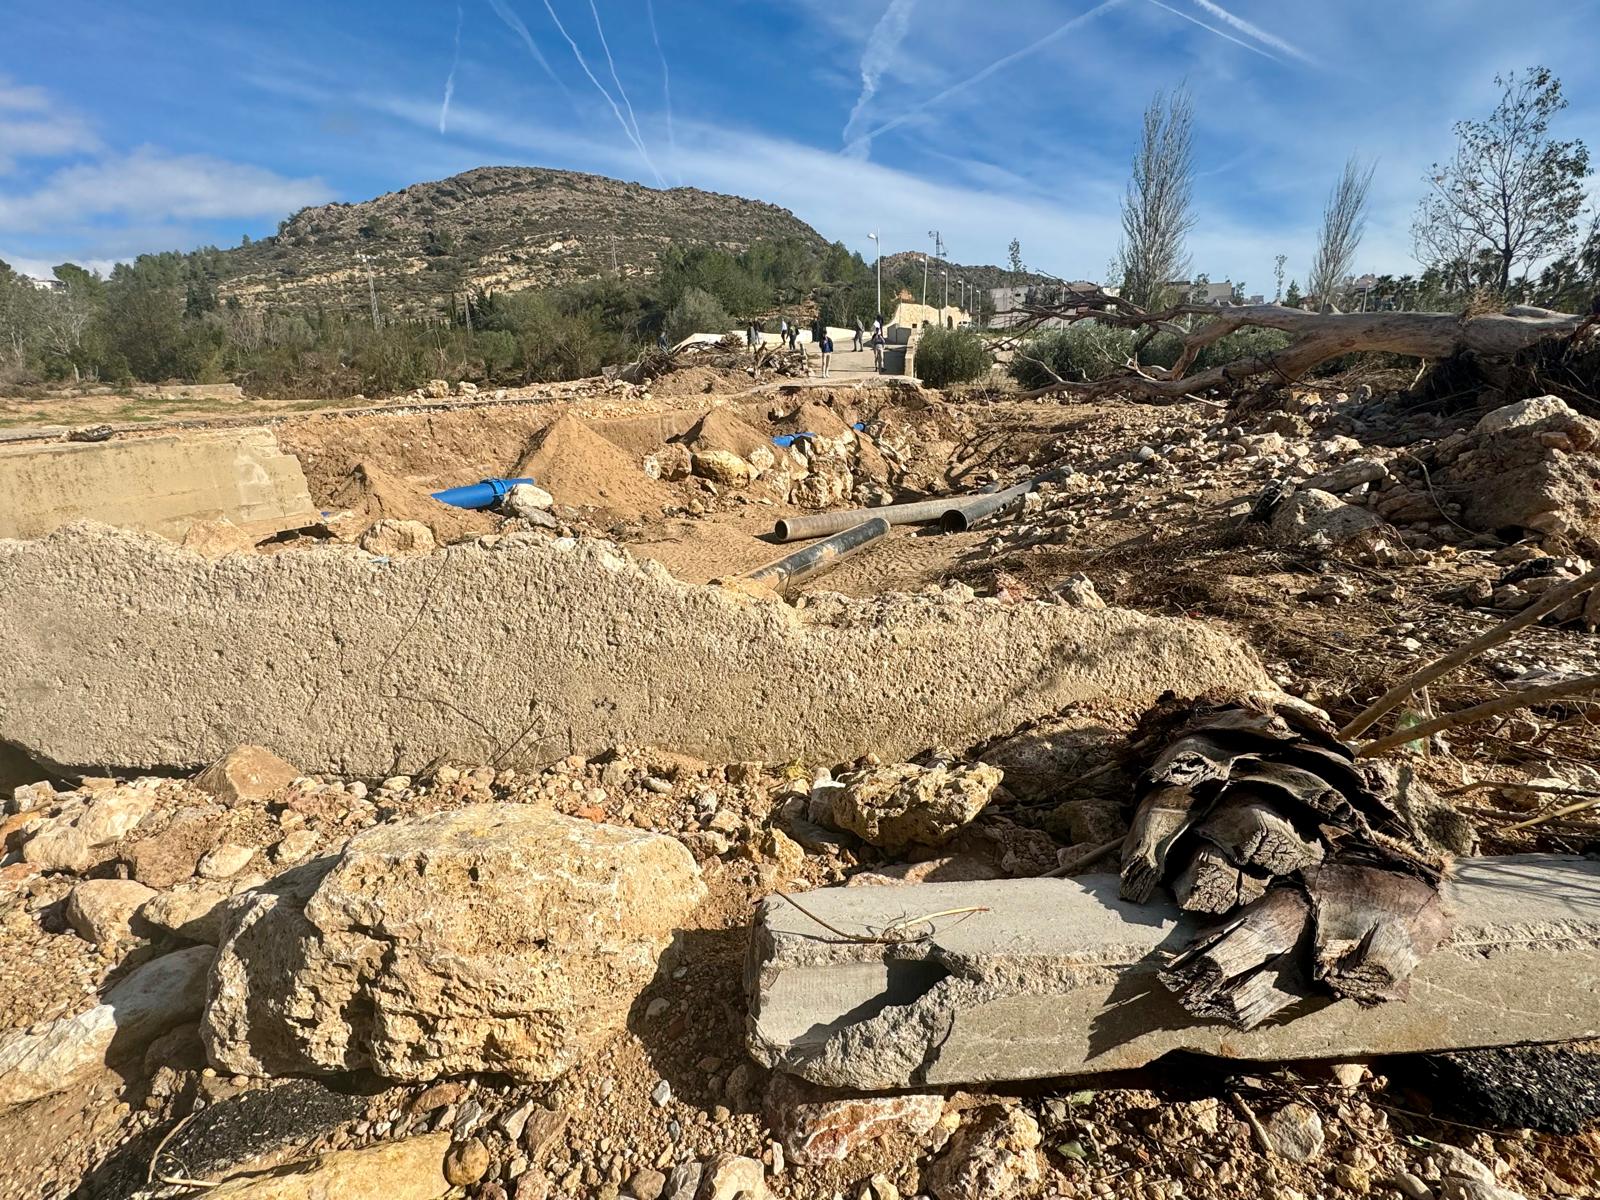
column 124, row 650
column 158, row 484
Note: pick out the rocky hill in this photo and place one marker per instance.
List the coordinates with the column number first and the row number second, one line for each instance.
column 906, row 266
column 494, row 228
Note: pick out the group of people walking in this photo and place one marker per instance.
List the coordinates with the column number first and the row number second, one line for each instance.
column 789, row 335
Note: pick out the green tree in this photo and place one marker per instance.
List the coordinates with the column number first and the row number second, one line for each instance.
column 1292, row 297
column 696, row 312
column 1512, row 193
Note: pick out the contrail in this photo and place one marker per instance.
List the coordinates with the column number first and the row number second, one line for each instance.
column 615, row 78
column 882, row 45
column 1254, row 31
column 600, row 87
column 998, row 64
column 666, row 85
column 1250, row 46
column 514, row 23
column 450, row 79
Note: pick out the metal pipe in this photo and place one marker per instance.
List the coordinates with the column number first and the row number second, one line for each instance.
column 818, row 557
column 960, row 516
column 799, row 529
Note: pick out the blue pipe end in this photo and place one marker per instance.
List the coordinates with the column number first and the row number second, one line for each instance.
column 482, row 494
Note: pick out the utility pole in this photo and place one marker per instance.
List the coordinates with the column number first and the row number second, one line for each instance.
column 946, row 275
column 924, row 281
column 877, row 247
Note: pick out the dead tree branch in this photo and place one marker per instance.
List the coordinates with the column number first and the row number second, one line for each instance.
column 1318, row 337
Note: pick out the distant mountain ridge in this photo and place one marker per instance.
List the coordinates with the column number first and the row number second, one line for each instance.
column 906, row 267
column 491, row 229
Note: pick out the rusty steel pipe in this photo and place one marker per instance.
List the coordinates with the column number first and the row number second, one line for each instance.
column 785, row 572
column 962, row 515
column 799, row 529
column 915, row 512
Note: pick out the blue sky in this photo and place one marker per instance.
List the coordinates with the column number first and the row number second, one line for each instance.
column 147, row 125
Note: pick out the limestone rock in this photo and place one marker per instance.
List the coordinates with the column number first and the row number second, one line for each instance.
column 409, row 1169
column 436, row 389
column 723, row 467
column 1295, row 1132
column 171, row 854
column 494, row 937
column 246, row 773
column 194, row 911
column 1315, row 518
column 1529, row 465
column 994, row 1155
column 393, row 538
column 101, row 910
column 672, row 462
column 526, row 500
column 466, row 1163
column 734, row 1177
column 75, row 840
column 1524, row 413
column 1346, row 476
column 905, row 804
column 152, row 999
column 816, row 1125
column 224, row 861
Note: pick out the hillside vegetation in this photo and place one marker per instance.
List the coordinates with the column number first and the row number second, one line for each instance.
column 498, row 276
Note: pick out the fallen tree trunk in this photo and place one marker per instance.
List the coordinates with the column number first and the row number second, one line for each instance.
column 1318, row 337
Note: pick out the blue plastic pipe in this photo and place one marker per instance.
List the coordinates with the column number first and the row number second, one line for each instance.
column 785, row 440
column 479, row 495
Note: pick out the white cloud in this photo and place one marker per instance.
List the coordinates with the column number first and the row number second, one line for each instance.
column 31, row 127
column 152, row 184
column 882, row 47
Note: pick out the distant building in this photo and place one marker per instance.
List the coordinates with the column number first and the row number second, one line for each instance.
column 1220, row 292
column 45, row 285
column 1004, row 301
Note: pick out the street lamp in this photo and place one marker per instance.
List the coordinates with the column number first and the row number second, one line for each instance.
column 924, row 281
column 946, row 275
column 877, row 248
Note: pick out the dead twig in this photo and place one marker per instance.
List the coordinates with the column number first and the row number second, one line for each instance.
column 154, row 1176
column 896, row 932
column 1592, row 800
column 1086, row 859
column 1549, row 602
column 1583, row 685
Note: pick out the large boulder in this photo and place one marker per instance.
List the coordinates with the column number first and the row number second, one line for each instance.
column 495, row 937
column 1530, row 465
column 906, row 805
column 1317, row 519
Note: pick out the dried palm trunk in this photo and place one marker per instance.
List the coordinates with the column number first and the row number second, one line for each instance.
column 1257, row 812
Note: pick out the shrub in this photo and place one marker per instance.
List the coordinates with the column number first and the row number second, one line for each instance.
column 1090, row 350
column 697, row 311
column 946, row 356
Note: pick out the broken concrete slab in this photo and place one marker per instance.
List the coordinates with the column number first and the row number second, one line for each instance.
column 125, row 649
column 1058, row 978
column 159, row 484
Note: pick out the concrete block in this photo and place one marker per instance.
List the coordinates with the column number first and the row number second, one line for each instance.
column 125, row 649
column 1058, row 978
column 157, row 484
